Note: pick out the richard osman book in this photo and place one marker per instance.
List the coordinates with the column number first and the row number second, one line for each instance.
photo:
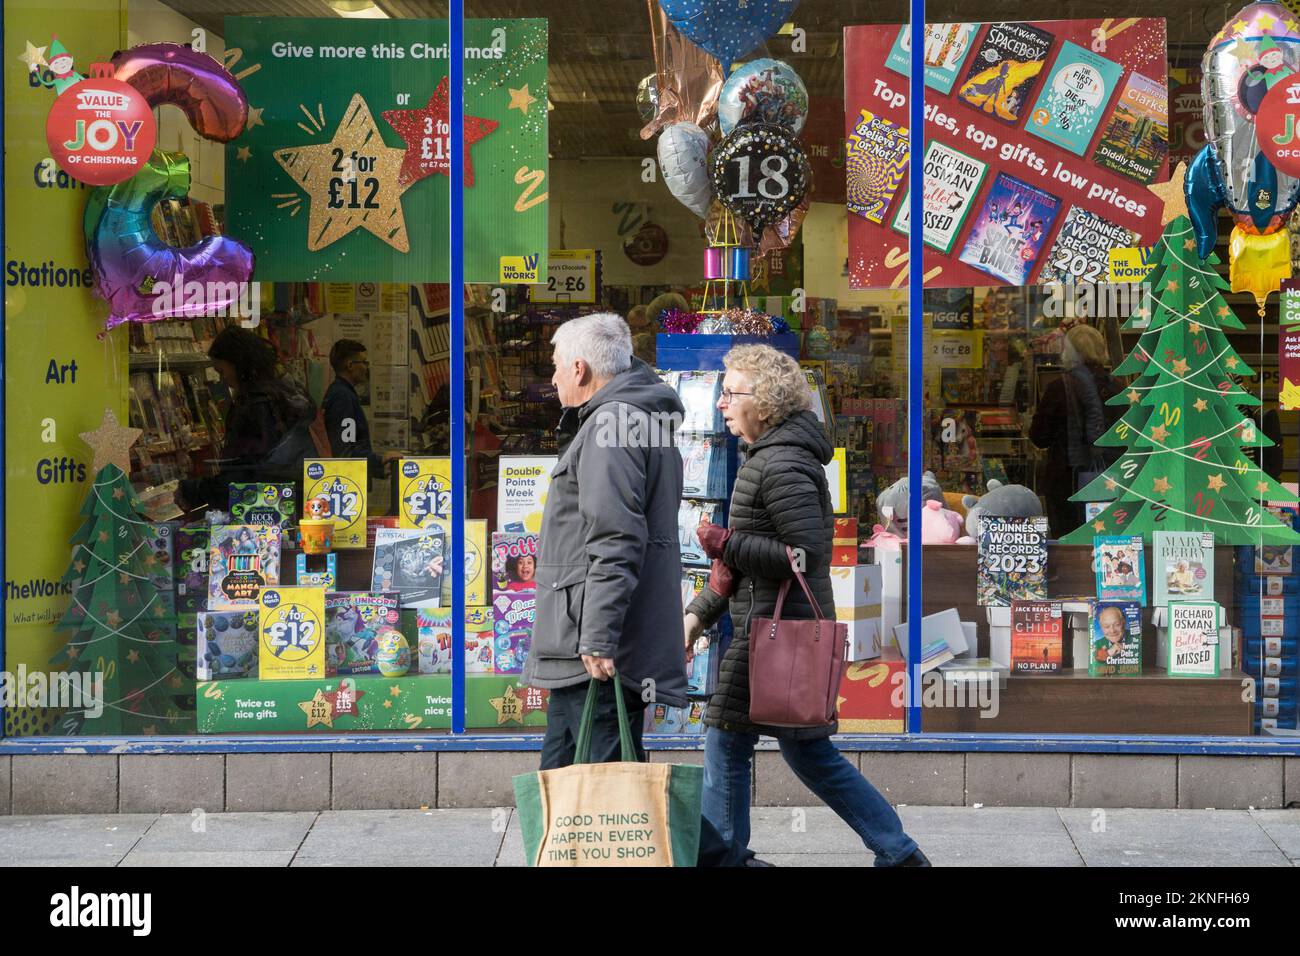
column 1002, row 73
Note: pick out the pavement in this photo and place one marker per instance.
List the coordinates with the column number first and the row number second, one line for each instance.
column 785, row 836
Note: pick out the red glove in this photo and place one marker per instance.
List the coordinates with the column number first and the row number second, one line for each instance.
column 712, row 538
column 722, row 580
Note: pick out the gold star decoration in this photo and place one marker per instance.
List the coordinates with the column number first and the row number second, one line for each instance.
column 113, row 619
column 1224, row 311
column 80, row 566
column 1133, row 396
column 1194, row 328
column 318, row 710
column 521, row 100
column 1261, row 487
column 1179, row 366
column 133, row 656
column 243, row 154
column 103, row 536
column 312, row 168
column 1190, row 245
column 175, row 681
column 1265, row 21
column 118, row 494
column 254, row 117
column 1172, row 286
column 1111, row 484
column 1200, row 405
column 388, row 704
column 394, row 691
column 151, row 730
column 1161, row 486
column 34, row 57
column 508, row 706
column 1216, row 482
column 150, row 560
column 1291, row 25
column 1231, row 361
column 1172, row 196
column 111, row 443
column 124, row 578
column 73, row 651
column 1160, row 433
column 158, row 610
column 1099, row 526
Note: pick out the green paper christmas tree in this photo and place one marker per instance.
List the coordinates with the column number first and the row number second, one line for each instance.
column 122, row 621
column 1185, row 468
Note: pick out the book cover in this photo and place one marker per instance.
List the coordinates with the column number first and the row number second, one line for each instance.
column 703, row 465
column 1010, row 230
column 1120, row 565
column 352, row 620
column 1081, row 252
column 1012, row 560
column 694, row 580
column 264, row 503
column 514, row 613
column 699, row 393
column 242, row 559
column 1193, row 639
column 1136, row 139
column 1273, row 559
column 1071, row 104
column 700, row 673
column 514, row 560
column 343, row 483
column 1037, row 637
column 689, row 515
column 410, row 561
column 434, row 640
column 1183, row 566
column 1116, row 631
column 227, row 645
column 478, row 640
column 875, row 163
column 1002, row 74
column 952, row 180
column 946, row 46
column 291, row 628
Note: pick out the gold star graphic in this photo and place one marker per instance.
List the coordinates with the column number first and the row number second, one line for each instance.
column 175, row 681
column 318, row 710
column 378, row 194
column 395, row 691
column 133, row 657
column 80, row 566
column 1189, row 245
column 1099, row 526
column 34, row 57
column 1171, row 286
column 1171, row 195
column 508, row 706
column 1194, row 328
column 118, row 494
column 521, row 100
column 1200, row 405
column 1291, row 25
column 111, row 443
column 103, row 536
column 1179, row 367
column 1231, row 361
column 113, row 619
column 243, row 154
column 1261, row 487
column 1224, row 311
column 1161, row 486
column 1133, row 396
column 151, row 730
column 1111, row 484
column 159, row 611
column 388, row 704
column 124, row 578
column 1265, row 21
column 73, row 651
column 1216, row 482
column 254, row 117
column 1160, row 433
column 150, row 560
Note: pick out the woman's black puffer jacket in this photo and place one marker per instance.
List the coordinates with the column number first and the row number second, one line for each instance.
column 780, row 499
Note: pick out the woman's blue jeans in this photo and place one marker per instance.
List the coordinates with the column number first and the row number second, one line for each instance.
column 728, row 757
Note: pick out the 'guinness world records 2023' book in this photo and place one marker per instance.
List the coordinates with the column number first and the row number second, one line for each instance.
column 1012, row 560
column 1002, row 74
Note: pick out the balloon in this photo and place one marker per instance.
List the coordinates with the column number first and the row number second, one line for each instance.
column 780, row 235
column 761, row 173
column 763, row 91
column 1259, row 263
column 647, row 97
column 687, row 79
column 205, row 91
column 683, row 158
column 143, row 278
column 728, row 29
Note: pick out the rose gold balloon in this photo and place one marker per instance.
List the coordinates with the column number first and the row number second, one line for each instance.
column 689, row 81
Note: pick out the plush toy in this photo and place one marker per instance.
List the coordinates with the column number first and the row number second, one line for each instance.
column 939, row 525
column 892, row 503
column 880, row 538
column 1002, row 501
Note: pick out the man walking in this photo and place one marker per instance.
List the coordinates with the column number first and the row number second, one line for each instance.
column 609, row 570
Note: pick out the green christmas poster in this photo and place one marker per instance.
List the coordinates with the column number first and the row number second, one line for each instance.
column 342, row 171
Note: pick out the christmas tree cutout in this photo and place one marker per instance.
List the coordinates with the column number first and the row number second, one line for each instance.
column 1185, row 468
column 122, row 626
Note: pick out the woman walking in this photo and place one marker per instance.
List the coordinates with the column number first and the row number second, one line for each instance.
column 780, row 500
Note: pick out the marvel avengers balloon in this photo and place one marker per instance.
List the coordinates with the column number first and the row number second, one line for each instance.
column 761, row 173
column 763, row 91
column 1254, row 51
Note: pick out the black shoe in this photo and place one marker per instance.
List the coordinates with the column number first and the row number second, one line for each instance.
column 755, row 861
column 916, row 859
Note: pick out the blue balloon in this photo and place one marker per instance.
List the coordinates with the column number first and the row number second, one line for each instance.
column 728, row 29
column 1203, row 190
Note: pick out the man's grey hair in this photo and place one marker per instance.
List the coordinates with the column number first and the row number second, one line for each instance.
column 602, row 340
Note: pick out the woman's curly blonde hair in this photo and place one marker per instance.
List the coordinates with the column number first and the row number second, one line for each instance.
column 780, row 389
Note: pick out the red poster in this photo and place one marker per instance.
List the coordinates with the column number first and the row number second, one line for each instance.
column 1040, row 150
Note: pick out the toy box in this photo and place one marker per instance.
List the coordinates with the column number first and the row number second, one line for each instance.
column 242, row 559
column 291, row 633
column 227, row 645
column 352, row 619
column 343, row 482
column 513, row 616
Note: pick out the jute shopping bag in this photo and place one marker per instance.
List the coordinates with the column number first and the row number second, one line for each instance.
column 610, row 814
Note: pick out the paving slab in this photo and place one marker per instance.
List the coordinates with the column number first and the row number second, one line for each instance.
column 76, row 840
column 274, row 858
column 227, row 833
column 405, row 838
column 793, row 830
column 1282, row 827
column 512, row 848
column 999, row 821
column 819, row 859
column 1197, row 838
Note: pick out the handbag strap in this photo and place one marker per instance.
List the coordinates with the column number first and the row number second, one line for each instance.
column 785, row 589
column 582, row 753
